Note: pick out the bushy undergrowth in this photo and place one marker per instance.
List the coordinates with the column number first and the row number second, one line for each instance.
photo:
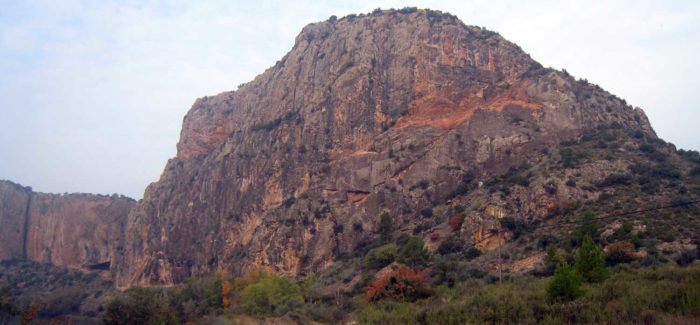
column 627, row 297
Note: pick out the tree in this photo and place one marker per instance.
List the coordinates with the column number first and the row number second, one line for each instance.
column 590, row 261
column 381, row 256
column 565, row 286
column 589, row 226
column 273, row 296
column 551, row 259
column 385, row 227
column 413, row 253
column 214, row 296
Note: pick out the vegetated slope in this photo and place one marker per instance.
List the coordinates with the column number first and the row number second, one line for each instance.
column 406, row 112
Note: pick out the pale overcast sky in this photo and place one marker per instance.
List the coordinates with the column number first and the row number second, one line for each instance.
column 92, row 93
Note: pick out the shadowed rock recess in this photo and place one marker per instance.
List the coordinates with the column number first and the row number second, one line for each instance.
column 365, row 114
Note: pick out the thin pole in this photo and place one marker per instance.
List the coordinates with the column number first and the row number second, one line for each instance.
column 500, row 255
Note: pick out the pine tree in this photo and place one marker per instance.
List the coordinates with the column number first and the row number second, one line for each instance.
column 590, row 261
column 589, row 226
column 551, row 259
column 566, row 284
column 385, row 227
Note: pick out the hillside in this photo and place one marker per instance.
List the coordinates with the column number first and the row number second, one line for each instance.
column 395, row 167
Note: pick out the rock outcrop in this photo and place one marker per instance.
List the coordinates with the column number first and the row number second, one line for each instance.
column 71, row 230
column 365, row 114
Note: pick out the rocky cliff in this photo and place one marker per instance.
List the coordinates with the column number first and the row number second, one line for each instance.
column 71, row 230
column 389, row 111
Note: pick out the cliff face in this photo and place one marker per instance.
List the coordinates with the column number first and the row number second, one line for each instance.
column 74, row 230
column 382, row 112
column 14, row 201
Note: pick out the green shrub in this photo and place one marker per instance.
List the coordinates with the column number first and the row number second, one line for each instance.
column 451, row 245
column 687, row 257
column 63, row 302
column 413, row 253
column 388, row 313
column 472, row 253
column 380, row 257
column 140, row 306
column 272, row 296
column 615, row 180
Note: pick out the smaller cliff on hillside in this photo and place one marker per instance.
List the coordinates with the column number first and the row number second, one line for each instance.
column 70, row 230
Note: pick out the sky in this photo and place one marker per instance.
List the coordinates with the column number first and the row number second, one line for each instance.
column 93, row 93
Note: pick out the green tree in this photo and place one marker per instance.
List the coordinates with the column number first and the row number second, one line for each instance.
column 385, row 227
column 551, row 259
column 590, row 261
column 565, row 286
column 589, row 226
column 214, row 297
column 413, row 253
column 273, row 296
column 381, row 256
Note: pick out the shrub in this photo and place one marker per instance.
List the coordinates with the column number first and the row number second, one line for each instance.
column 620, row 252
column 63, row 302
column 380, row 257
column 140, row 306
column 389, row 313
column 413, row 253
column 8, row 310
column 624, row 231
column 516, row 226
column 590, row 261
column 386, row 226
column 615, row 180
column 472, row 253
column 450, row 245
column 565, row 286
column 694, row 172
column 402, row 284
column 273, row 296
column 687, row 257
column 447, row 270
column 427, row 212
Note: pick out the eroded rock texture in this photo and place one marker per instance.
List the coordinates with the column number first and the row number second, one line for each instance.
column 71, row 230
column 295, row 167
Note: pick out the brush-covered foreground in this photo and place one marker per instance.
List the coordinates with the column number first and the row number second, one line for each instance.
column 651, row 295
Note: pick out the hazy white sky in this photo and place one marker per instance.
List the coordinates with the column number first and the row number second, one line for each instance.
column 92, row 93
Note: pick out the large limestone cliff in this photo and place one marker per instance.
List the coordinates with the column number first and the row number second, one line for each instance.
column 72, row 230
column 295, row 167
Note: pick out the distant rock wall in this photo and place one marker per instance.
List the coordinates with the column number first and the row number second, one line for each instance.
column 73, row 230
column 14, row 204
